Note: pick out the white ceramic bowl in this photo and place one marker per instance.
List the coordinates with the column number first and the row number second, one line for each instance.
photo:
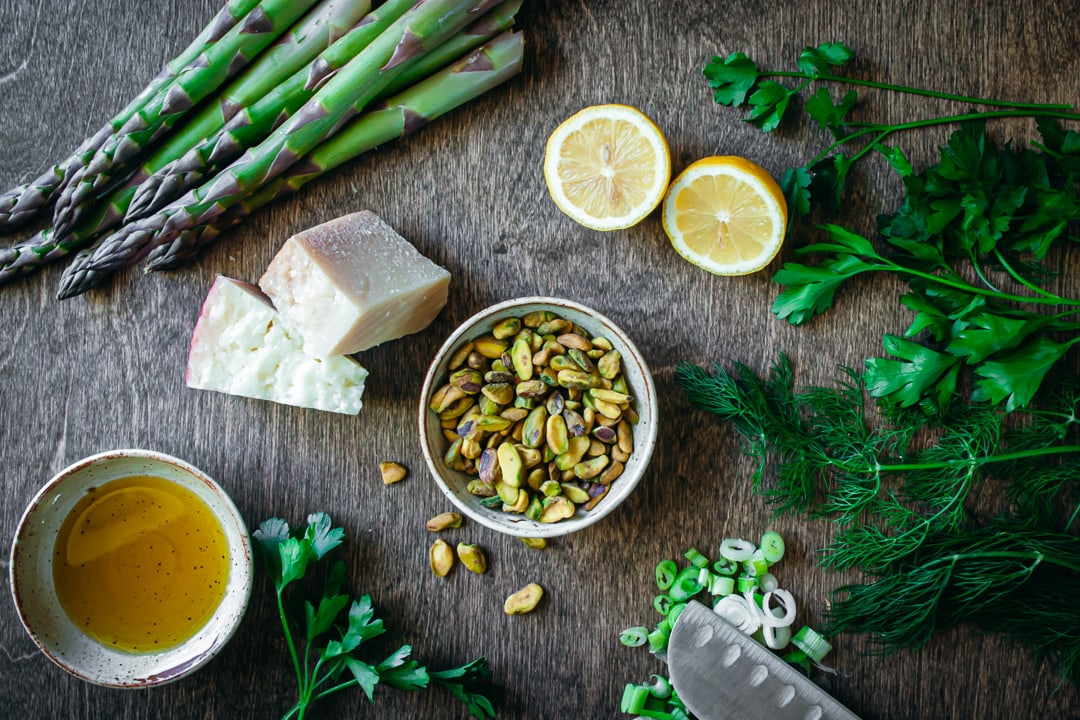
column 453, row 483
column 35, row 593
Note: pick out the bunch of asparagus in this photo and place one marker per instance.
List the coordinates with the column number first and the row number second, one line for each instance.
column 271, row 95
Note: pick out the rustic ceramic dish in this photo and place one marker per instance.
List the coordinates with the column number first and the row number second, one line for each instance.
column 640, row 382
column 34, row 591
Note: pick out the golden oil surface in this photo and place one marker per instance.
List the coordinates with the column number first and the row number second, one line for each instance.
column 140, row 564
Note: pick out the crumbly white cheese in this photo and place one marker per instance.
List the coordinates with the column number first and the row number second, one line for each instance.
column 240, row 346
column 352, row 283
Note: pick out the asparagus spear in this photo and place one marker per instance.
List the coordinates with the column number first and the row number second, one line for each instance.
column 426, row 25
column 293, row 50
column 202, row 77
column 24, row 202
column 252, row 124
column 468, row 78
column 291, row 55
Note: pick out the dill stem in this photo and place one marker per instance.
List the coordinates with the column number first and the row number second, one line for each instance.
column 1038, row 557
column 989, row 459
column 920, row 91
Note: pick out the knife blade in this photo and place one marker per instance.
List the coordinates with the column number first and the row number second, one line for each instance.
column 719, row 672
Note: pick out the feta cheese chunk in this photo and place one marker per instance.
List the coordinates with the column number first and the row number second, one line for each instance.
column 240, row 346
column 352, row 283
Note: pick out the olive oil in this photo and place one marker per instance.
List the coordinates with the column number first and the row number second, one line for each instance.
column 140, row 564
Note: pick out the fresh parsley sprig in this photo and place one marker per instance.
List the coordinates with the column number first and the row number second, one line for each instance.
column 334, row 628
column 738, row 82
column 984, row 210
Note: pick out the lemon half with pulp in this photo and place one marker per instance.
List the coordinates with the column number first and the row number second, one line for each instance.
column 726, row 215
column 607, row 166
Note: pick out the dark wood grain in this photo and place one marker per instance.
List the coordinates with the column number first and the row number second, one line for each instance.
column 106, row 370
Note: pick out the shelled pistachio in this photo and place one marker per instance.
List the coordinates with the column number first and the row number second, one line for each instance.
column 539, row 412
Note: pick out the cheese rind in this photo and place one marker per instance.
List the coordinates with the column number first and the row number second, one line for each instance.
column 240, row 346
column 353, row 283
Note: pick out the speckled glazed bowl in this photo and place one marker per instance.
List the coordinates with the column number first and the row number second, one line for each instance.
column 34, row 591
column 434, row 444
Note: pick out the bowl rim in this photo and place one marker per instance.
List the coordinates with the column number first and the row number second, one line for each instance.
column 532, row 528
column 185, row 666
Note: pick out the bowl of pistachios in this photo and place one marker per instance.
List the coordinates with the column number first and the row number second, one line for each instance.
column 538, row 417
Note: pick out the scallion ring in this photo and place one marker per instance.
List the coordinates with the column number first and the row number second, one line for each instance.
column 666, row 570
column 812, row 643
column 786, row 601
column 768, row 582
column 696, row 559
column 634, row 637
column 686, row 585
column 736, row 549
column 777, row 638
column 736, row 610
column 659, row 686
column 772, row 546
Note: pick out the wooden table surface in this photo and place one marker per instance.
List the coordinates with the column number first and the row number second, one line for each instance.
column 106, row 370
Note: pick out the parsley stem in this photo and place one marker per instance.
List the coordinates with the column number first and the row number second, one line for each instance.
column 289, row 640
column 974, row 289
column 1020, row 278
column 885, row 131
column 918, row 91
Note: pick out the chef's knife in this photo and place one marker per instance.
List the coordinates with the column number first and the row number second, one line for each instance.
column 720, row 673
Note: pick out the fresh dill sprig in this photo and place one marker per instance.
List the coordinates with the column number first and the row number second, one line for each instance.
column 901, row 493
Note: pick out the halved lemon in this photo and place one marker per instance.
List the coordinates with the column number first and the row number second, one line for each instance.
column 607, row 166
column 726, row 215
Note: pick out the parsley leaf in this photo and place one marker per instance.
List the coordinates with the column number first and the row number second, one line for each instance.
column 816, row 60
column 830, row 116
column 322, row 536
column 1016, row 376
column 732, row 78
column 470, row 683
column 796, row 188
column 768, row 103
column 917, row 372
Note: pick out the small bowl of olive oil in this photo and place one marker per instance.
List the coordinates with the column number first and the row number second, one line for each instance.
column 131, row 568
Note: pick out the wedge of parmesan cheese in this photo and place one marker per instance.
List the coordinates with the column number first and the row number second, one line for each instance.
column 352, row 283
column 240, row 346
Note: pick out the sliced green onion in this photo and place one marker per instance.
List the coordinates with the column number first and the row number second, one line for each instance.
column 746, row 583
column 634, row 637
column 725, row 567
column 812, row 643
column 659, row 686
column 777, row 638
column 697, row 559
column 674, row 613
column 737, row 611
column 658, row 640
column 666, row 570
column 736, row 549
column 772, row 545
column 633, row 698
column 786, row 604
column 721, row 585
column 756, row 565
column 662, row 604
column 798, row 659
column 686, row 585
column 768, row 582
